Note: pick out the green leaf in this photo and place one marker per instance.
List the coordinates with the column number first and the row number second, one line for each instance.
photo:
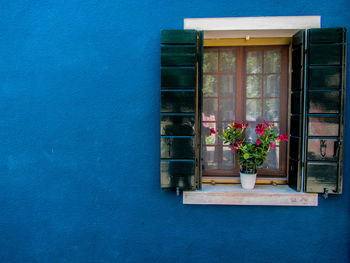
column 246, row 156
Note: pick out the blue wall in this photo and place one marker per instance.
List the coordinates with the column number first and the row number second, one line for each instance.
column 79, row 143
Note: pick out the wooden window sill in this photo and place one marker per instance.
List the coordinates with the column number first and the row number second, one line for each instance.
column 261, row 195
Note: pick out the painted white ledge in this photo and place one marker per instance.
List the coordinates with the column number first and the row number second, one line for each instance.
column 261, row 195
column 253, row 23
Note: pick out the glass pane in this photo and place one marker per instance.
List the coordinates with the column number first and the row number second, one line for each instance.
column 272, row 61
column 272, row 86
column 227, row 109
column 254, row 86
column 250, row 133
column 273, row 157
column 227, row 85
column 253, row 110
column 254, row 62
column 227, row 158
column 210, row 109
column 272, row 109
column 228, row 60
column 210, row 61
column 210, row 86
column 206, row 137
column 209, row 157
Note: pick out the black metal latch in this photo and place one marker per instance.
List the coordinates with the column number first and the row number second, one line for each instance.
column 325, row 194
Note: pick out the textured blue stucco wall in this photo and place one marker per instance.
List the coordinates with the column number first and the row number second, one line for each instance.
column 79, row 143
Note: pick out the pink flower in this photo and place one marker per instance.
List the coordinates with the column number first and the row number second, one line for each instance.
column 239, row 144
column 272, row 145
column 260, row 129
column 212, row 131
column 258, row 142
column 282, row 137
column 267, row 124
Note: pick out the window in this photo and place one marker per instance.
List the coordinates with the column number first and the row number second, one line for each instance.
column 247, row 84
column 316, row 75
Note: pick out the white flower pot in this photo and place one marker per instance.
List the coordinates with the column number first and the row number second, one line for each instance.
column 248, row 180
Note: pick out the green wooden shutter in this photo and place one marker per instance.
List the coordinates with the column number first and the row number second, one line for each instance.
column 297, row 108
column 181, row 81
column 316, row 164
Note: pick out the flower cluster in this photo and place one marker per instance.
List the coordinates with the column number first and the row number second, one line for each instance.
column 251, row 154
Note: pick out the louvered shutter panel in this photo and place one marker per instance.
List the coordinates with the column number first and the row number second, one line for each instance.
column 325, row 104
column 318, row 167
column 181, row 78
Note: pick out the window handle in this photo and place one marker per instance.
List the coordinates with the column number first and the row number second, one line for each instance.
column 323, row 148
column 336, row 148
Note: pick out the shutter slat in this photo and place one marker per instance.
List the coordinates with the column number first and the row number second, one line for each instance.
column 325, row 55
column 326, row 35
column 177, row 125
column 324, row 78
column 173, row 37
column 178, row 101
column 177, row 148
column 178, row 55
column 178, row 78
column 177, row 174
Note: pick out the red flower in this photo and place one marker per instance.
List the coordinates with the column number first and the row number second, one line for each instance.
column 258, row 142
column 212, row 131
column 260, row 129
column 238, row 126
column 239, row 144
column 272, row 145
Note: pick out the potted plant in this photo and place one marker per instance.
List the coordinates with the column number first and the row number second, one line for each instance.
column 251, row 155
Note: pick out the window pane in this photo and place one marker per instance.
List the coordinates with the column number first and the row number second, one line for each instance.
column 227, row 158
column 227, row 85
column 272, row 86
column 272, row 109
column 272, row 61
column 210, row 109
column 250, row 133
column 272, row 161
column 210, row 85
column 210, row 157
column 210, row 61
column 227, row 109
column 253, row 110
column 228, row 60
column 206, row 137
column 254, row 62
column 254, row 86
